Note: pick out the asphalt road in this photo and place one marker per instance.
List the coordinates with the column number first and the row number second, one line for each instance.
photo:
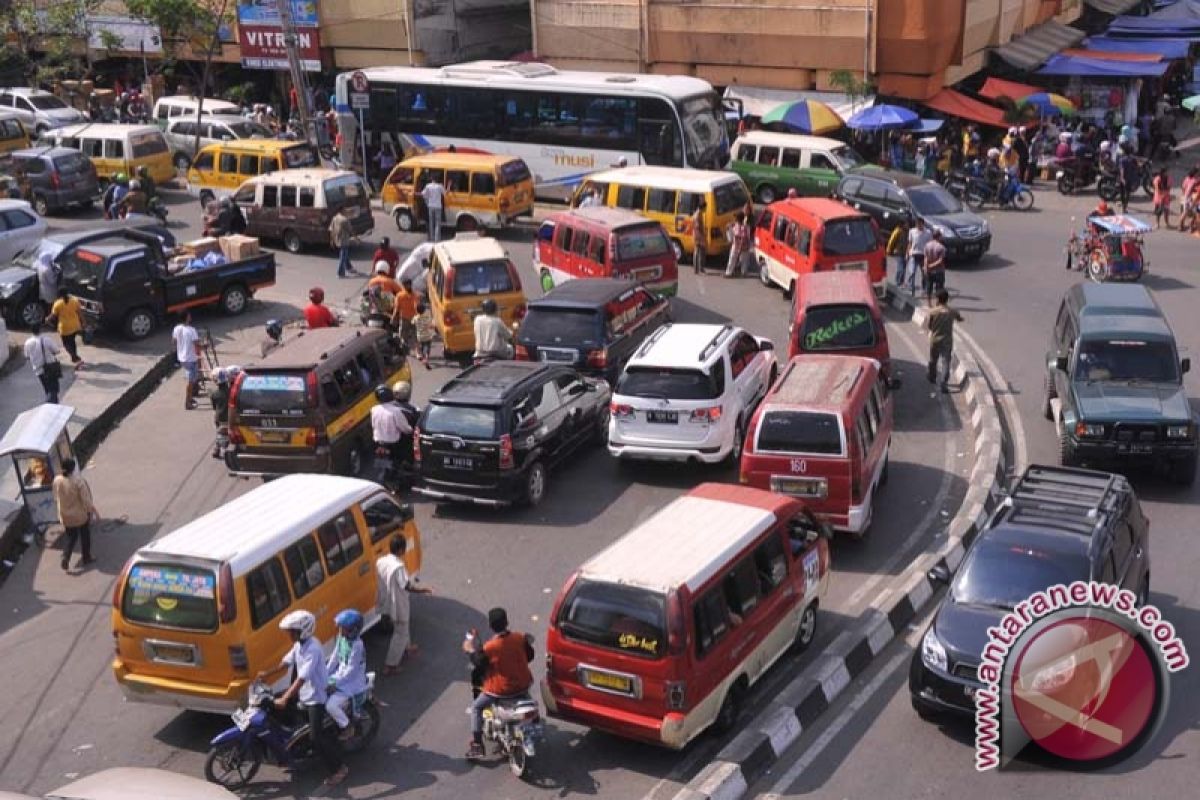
column 872, row 744
column 63, row 714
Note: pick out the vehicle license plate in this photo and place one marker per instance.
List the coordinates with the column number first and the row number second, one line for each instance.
column 647, row 274
column 605, row 680
column 971, row 248
column 668, row 417
column 274, row 437
column 176, row 654
column 1141, row 449
column 458, row 462
column 798, row 487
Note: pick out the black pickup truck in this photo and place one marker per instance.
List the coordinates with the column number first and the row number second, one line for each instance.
column 122, row 282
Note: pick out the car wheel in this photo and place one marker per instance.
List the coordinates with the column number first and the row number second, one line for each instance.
column 1143, row 592
column 677, row 247
column 405, row 221
column 291, row 242
column 602, row 420
column 1184, row 472
column 182, row 162
column 774, row 376
column 30, row 313
column 883, row 473
column 808, row 628
column 139, row 323
column 767, row 194
column 234, row 300
column 731, row 709
column 206, row 197
column 547, row 280
column 535, row 484
column 790, row 291
column 735, row 452
column 1047, row 396
column 41, row 206
column 763, row 275
column 1066, row 455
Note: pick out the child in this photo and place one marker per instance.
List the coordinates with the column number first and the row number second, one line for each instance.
column 423, row 322
column 347, row 669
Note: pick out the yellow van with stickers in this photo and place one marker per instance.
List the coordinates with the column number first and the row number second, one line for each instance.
column 306, row 407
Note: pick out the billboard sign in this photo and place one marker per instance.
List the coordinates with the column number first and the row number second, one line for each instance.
column 266, row 13
column 263, row 48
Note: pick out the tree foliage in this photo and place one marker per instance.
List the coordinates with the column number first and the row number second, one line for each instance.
column 855, row 88
column 59, row 30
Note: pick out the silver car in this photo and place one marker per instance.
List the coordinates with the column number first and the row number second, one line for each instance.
column 39, row 111
column 214, row 128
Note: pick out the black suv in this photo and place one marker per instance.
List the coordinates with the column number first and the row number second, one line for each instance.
column 594, row 325
column 490, row 435
column 890, row 196
column 1114, row 382
column 1056, row 526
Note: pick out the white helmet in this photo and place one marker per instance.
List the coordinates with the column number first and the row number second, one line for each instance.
column 402, row 391
column 993, row 153
column 1013, row 131
column 1105, row 146
column 300, row 621
column 1122, row 139
column 1065, row 136
column 381, row 267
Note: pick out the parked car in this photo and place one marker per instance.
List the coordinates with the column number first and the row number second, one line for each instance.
column 1114, row 383
column 38, row 110
column 213, row 128
column 594, row 325
column 1057, row 526
column 491, row 435
column 58, row 177
column 21, row 228
column 890, row 196
column 689, row 392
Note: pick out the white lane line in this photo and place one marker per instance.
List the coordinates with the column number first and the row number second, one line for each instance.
column 1000, row 390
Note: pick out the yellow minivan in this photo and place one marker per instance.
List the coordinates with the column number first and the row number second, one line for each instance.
column 13, row 135
column 463, row 272
column 220, row 169
column 114, row 149
column 196, row 613
column 482, row 190
column 669, row 195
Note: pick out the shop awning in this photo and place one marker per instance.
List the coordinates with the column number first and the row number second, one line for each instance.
column 1099, row 68
column 995, row 88
column 1113, row 7
column 1114, row 55
column 1030, row 51
column 1167, row 48
column 758, row 101
column 957, row 104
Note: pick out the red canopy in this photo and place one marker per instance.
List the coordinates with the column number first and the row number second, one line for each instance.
column 994, row 88
column 956, row 104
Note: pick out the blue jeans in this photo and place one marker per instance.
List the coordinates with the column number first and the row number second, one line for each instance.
column 344, row 264
column 899, row 270
column 435, row 224
column 916, row 265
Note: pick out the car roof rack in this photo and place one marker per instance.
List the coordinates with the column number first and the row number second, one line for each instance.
column 714, row 342
column 653, row 338
column 1070, row 500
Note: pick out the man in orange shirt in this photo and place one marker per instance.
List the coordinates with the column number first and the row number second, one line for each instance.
column 404, row 312
column 383, row 280
column 505, row 658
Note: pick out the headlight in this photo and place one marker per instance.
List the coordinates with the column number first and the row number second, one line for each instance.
column 946, row 231
column 1173, row 431
column 984, row 226
column 932, row 652
column 8, row 289
column 1091, row 430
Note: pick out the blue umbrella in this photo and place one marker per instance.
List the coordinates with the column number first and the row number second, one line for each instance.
column 881, row 118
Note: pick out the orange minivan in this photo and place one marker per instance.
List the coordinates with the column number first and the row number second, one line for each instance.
column 814, row 234
column 837, row 313
column 662, row 634
column 822, row 434
column 600, row 242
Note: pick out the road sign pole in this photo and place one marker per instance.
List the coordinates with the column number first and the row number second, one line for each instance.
column 362, row 134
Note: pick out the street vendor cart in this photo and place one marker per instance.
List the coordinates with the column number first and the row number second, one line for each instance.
column 38, row 443
column 1109, row 248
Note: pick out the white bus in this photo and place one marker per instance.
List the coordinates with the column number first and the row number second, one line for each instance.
column 563, row 124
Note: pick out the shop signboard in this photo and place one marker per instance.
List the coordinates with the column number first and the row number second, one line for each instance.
column 266, row 13
column 263, row 48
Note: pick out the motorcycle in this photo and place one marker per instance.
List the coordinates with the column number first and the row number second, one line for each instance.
column 1077, row 172
column 158, row 208
column 1009, row 192
column 260, row 734
column 513, row 724
column 394, row 472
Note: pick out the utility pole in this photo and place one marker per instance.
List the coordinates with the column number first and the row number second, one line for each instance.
column 291, row 41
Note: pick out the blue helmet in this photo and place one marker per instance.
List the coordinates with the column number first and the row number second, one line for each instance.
column 350, row 621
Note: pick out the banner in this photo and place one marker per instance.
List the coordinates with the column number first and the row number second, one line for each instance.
column 266, row 13
column 262, row 47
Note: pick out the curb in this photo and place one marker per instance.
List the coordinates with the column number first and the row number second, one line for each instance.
column 751, row 754
column 86, row 442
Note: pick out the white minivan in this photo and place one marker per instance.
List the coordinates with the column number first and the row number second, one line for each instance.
column 169, row 108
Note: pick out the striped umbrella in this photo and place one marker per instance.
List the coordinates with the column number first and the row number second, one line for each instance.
column 1048, row 104
column 805, row 116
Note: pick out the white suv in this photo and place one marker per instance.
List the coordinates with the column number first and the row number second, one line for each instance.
column 688, row 393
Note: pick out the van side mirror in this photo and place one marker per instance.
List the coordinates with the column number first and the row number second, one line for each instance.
column 1060, row 363
column 939, row 573
column 765, row 346
column 1185, row 365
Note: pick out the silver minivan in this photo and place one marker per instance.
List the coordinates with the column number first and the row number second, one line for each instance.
column 39, row 111
column 214, row 128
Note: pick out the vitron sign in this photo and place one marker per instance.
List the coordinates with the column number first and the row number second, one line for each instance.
column 263, row 47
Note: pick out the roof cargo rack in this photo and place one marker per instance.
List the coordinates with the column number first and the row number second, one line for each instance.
column 1072, row 500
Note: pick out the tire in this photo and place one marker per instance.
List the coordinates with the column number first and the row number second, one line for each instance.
column 790, row 291
column 1023, row 200
column 87, row 205
column 1066, row 456
column 405, row 221
column 1183, row 472
column 887, row 463
column 292, row 242
column 547, row 280
column 30, row 312
column 1148, row 182
column 763, row 276
column 517, row 761
column 1107, row 189
column 808, row 628
column 1066, row 184
column 601, row 434
column 773, row 377
column 1096, row 270
column 730, row 711
column 182, row 162
column 974, row 197
column 1047, row 395
column 735, row 452
column 227, row 766
column 1143, row 592
column 677, row 247
column 206, row 197
column 41, row 206
column 139, row 323
column 234, row 300
column 365, row 730
column 766, row 194
column 534, row 490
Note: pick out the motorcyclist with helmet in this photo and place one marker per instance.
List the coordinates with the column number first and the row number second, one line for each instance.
column 391, row 422
column 223, row 379
column 993, row 173
column 501, row 670
column 316, row 313
column 310, row 679
column 493, row 339
column 148, row 185
column 135, row 201
column 347, row 669
column 274, row 331
column 114, row 194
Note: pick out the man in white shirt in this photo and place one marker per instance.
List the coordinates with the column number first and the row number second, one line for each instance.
column 918, row 236
column 393, row 587
column 389, row 425
column 590, row 199
column 41, row 351
column 493, row 339
column 187, row 351
column 416, row 267
column 433, row 195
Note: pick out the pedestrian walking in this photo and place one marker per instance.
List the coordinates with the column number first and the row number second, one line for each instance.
column 1189, row 183
column 897, row 248
column 47, row 277
column 699, row 239
column 42, row 353
column 1128, row 177
column 935, row 267
column 434, row 195
column 404, row 310
column 341, row 235
column 918, row 237
column 67, row 314
column 739, row 237
column 187, row 352
column 76, row 510
column 392, row 597
column 423, row 322
column 1162, row 198
column 940, row 324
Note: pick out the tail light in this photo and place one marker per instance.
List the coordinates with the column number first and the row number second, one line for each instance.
column 416, row 445
column 55, row 181
column 450, row 318
column 506, row 452
column 315, row 438
column 597, row 359
column 226, row 600
column 521, row 352
column 706, row 415
column 520, row 311
column 676, row 692
column 620, row 410
column 238, row 659
column 237, row 387
column 310, row 389
column 676, row 627
column 235, row 435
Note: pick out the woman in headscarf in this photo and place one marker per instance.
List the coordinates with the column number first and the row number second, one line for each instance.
column 47, row 275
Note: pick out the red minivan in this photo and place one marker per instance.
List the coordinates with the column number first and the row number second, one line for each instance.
column 815, row 234
column 822, row 434
column 600, row 242
column 836, row 312
column 662, row 634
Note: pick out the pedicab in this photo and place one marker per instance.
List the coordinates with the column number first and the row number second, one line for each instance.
column 1109, row 248
column 38, row 443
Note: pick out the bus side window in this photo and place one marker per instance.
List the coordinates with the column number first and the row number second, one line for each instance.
column 340, row 542
column 483, row 183
column 304, row 566
column 267, row 588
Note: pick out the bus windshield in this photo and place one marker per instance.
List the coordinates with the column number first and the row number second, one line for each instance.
column 702, row 131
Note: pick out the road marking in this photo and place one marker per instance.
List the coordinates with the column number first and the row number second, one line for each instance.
column 1000, row 390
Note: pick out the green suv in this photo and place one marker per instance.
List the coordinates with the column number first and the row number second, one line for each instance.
column 1114, row 383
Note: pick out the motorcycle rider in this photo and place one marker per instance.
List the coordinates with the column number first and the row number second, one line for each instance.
column 274, row 329
column 223, row 380
column 1063, row 151
column 316, row 313
column 309, row 681
column 504, row 663
column 148, row 185
column 993, row 174
column 347, row 669
column 390, row 426
column 114, row 194
column 134, row 203
column 493, row 339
